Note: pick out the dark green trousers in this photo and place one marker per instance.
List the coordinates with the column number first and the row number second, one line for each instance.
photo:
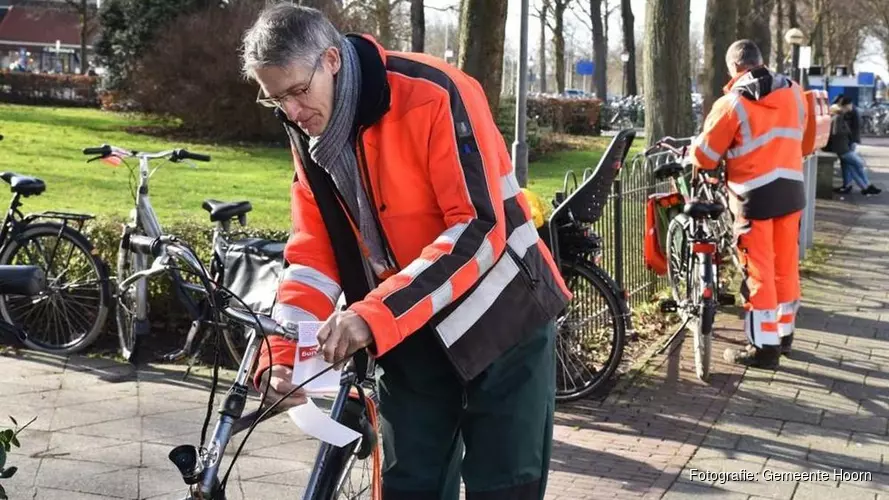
column 495, row 432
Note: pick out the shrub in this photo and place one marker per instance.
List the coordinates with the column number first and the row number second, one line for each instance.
column 8, row 439
column 564, row 115
column 192, row 73
column 48, row 89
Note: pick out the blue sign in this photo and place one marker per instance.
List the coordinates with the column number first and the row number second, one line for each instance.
column 866, row 79
column 585, row 67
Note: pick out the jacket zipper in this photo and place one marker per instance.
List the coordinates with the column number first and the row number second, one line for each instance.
column 522, row 264
column 369, row 190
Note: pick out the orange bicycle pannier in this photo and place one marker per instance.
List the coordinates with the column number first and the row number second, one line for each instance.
column 659, row 211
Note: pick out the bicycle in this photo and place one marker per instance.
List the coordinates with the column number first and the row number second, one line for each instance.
column 68, row 315
column 693, row 256
column 354, row 406
column 133, row 310
column 598, row 314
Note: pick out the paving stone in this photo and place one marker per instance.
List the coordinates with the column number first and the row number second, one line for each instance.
column 686, row 491
column 89, row 477
column 852, row 422
column 806, row 491
column 54, row 494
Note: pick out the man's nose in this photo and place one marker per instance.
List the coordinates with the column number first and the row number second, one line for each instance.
column 292, row 109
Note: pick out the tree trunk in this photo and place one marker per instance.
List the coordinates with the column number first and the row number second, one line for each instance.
column 418, row 26
column 384, row 22
column 84, row 23
column 559, row 8
column 484, row 22
column 629, row 38
column 542, row 48
column 760, row 30
column 792, row 18
column 718, row 36
column 600, row 50
column 779, row 37
column 667, row 96
column 744, row 26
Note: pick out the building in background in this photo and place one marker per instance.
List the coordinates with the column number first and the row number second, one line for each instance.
column 41, row 37
column 861, row 88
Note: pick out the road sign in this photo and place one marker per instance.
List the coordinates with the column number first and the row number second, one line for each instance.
column 585, row 67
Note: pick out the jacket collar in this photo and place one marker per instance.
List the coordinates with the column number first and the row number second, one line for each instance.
column 375, row 97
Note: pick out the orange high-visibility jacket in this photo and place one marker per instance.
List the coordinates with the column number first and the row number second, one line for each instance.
column 465, row 253
column 757, row 127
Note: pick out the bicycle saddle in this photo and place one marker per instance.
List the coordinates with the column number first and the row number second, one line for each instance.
column 701, row 209
column 21, row 280
column 23, row 185
column 223, row 211
column 668, row 170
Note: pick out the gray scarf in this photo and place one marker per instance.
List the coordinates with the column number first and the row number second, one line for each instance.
column 334, row 151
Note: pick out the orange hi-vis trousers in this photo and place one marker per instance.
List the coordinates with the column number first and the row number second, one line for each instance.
column 769, row 255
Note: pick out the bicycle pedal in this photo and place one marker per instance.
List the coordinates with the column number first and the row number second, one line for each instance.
column 725, row 299
column 668, row 306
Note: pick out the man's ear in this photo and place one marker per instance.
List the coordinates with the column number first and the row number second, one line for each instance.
column 334, row 59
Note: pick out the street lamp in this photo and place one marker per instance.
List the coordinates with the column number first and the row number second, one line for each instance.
column 625, row 58
column 795, row 37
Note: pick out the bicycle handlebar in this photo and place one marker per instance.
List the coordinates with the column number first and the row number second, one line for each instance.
column 174, row 155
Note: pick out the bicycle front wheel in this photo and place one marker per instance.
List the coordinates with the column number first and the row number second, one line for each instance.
column 353, row 472
column 69, row 315
column 591, row 332
column 130, row 301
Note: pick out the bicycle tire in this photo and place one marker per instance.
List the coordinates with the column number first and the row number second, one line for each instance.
column 338, row 462
column 703, row 338
column 128, row 264
column 678, row 245
column 59, row 285
column 618, row 312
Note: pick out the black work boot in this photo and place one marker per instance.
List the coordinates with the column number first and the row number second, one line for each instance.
column 785, row 344
column 766, row 357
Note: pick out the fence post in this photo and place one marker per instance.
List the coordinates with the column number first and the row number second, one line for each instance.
column 618, row 233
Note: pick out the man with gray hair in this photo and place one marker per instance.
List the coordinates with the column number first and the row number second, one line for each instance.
column 757, row 128
column 405, row 201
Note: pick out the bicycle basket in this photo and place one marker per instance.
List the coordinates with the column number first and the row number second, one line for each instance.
column 253, row 269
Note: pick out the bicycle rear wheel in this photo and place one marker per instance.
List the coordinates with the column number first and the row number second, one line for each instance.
column 702, row 278
column 69, row 316
column 591, row 332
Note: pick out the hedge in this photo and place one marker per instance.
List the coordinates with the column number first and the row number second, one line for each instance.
column 48, row 89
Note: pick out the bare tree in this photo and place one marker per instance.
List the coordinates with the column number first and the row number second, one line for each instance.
column 418, row 26
column 558, row 28
column 667, row 87
column 760, row 28
column 878, row 12
column 592, row 19
column 542, row 13
column 629, row 39
column 484, row 23
column 87, row 27
column 719, row 33
column 743, row 25
column 779, row 36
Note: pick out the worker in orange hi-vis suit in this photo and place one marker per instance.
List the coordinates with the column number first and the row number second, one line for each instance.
column 757, row 128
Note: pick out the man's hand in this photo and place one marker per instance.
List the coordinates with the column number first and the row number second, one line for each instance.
column 344, row 333
column 281, row 384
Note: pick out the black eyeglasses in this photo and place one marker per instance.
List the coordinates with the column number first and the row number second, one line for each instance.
column 298, row 94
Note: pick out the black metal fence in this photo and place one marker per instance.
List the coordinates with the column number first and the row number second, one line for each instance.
column 622, row 225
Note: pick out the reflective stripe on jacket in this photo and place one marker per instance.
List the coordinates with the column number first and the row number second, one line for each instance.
column 757, row 127
column 466, row 254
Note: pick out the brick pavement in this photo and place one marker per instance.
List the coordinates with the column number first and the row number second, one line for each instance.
column 104, row 430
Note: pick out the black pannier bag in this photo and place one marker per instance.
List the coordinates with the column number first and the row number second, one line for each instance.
column 253, row 269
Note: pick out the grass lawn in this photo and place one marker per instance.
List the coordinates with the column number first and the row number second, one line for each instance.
column 46, row 142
